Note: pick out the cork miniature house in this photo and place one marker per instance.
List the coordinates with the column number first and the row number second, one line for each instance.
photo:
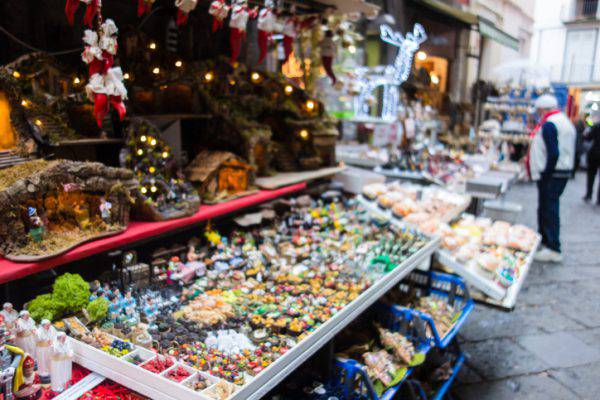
column 219, row 175
column 49, row 207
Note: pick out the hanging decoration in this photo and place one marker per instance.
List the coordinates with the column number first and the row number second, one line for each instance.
column 184, row 7
column 328, row 52
column 219, row 9
column 240, row 13
column 290, row 28
column 144, row 7
column 92, row 10
column 105, row 87
column 266, row 25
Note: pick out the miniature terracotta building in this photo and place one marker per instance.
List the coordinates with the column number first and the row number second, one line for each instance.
column 48, row 207
column 218, row 172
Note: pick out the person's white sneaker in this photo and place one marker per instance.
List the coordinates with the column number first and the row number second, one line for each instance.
column 547, row 255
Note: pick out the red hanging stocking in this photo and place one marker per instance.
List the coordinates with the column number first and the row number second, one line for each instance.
column 288, row 47
column 70, row 9
column 101, row 107
column 90, row 13
column 327, row 65
column 236, row 37
column 263, row 44
column 118, row 105
column 181, row 18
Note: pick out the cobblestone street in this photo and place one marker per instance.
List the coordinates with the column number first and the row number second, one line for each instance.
column 549, row 346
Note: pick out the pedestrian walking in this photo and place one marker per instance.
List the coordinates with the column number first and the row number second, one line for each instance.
column 592, row 135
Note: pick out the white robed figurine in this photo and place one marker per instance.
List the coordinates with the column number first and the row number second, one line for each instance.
column 9, row 314
column 44, row 337
column 25, row 331
column 62, row 364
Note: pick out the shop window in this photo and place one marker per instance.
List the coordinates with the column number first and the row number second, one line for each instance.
column 579, row 55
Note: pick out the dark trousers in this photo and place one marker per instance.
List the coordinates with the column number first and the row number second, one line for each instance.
column 549, row 192
column 592, row 171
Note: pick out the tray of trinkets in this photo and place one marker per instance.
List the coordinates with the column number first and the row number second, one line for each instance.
column 142, row 370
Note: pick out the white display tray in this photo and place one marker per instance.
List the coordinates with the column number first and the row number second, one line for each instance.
column 498, row 296
column 155, row 386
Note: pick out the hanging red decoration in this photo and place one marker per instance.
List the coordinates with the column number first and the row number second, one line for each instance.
column 105, row 87
column 290, row 27
column 218, row 10
column 144, row 7
column 184, row 7
column 92, row 10
column 240, row 13
column 266, row 26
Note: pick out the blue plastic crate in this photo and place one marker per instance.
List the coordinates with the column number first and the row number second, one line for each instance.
column 443, row 389
column 418, row 324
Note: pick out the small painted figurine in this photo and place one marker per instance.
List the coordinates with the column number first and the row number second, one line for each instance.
column 105, row 210
column 10, row 315
column 62, row 363
column 37, row 225
column 11, row 366
column 150, row 309
column 31, row 387
column 44, row 336
column 114, row 308
column 25, row 331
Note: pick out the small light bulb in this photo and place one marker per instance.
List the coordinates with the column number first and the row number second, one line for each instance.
column 232, row 82
column 76, row 81
column 289, row 89
column 140, row 152
column 310, row 105
column 143, row 138
column 152, row 170
column 144, row 190
column 153, row 189
column 208, row 76
column 165, row 154
column 16, row 74
column 24, row 103
column 38, row 122
column 435, row 79
column 152, row 142
column 178, row 63
column 352, row 49
column 304, row 134
column 152, row 46
column 156, row 71
column 126, row 76
column 255, row 76
column 421, row 56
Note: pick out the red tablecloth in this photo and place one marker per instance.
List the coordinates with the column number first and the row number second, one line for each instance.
column 137, row 231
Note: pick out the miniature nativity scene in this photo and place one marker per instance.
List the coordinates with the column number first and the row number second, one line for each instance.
column 49, row 207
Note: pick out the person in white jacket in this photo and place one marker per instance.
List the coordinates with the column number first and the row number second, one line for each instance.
column 551, row 161
column 61, row 367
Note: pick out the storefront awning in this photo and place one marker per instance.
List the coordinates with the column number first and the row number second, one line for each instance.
column 489, row 30
column 450, row 11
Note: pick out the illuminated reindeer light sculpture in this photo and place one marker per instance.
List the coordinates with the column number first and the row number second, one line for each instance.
column 391, row 76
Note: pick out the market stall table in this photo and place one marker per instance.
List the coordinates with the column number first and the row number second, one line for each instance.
column 138, row 231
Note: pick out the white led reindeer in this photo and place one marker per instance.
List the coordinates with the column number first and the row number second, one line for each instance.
column 391, row 76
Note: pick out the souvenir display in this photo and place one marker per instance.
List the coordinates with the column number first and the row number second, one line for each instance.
column 57, row 205
column 219, row 175
column 162, row 193
column 497, row 251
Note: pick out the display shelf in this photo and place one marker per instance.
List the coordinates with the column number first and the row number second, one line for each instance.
column 287, row 363
column 495, row 294
column 80, row 388
column 138, row 231
column 290, row 178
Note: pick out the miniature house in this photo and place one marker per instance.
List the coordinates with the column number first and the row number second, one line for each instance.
column 47, row 208
column 219, row 173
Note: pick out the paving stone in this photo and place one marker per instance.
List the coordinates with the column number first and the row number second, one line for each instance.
column 544, row 274
column 467, row 375
column 501, row 358
column 560, row 349
column 524, row 320
column 535, row 387
column 590, row 337
column 582, row 380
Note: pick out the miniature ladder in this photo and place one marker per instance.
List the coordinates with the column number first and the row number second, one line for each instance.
column 84, row 385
